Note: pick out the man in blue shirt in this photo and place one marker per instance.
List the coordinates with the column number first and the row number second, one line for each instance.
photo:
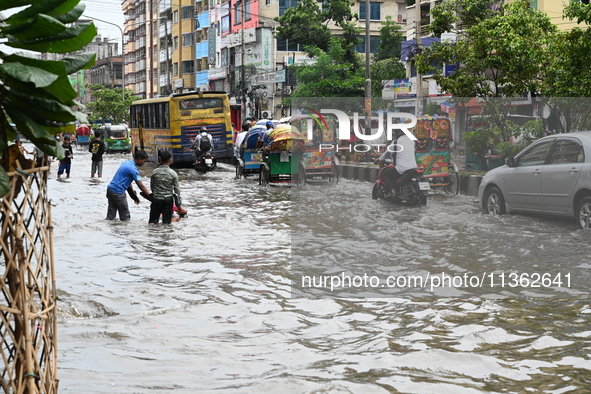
column 125, row 175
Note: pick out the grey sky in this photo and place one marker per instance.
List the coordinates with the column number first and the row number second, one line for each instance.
column 108, row 10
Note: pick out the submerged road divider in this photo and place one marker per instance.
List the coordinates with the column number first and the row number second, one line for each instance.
column 369, row 173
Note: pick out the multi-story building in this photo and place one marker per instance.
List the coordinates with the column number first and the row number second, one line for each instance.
column 106, row 70
column 175, row 47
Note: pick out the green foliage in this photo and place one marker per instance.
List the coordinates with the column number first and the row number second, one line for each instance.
column 461, row 12
column 502, row 53
column 384, row 70
column 386, row 63
column 108, row 104
column 332, row 75
column 307, row 24
column 568, row 73
column 507, row 149
column 479, row 141
column 432, row 108
column 391, row 39
column 27, row 83
column 532, row 131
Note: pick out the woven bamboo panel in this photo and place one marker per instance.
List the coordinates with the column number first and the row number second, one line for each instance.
column 28, row 309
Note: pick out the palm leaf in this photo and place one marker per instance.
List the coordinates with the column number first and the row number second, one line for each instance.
column 52, row 7
column 70, row 40
column 38, row 27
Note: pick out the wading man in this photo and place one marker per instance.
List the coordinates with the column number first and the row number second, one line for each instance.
column 125, row 175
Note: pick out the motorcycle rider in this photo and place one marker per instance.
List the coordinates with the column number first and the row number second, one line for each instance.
column 202, row 143
column 402, row 149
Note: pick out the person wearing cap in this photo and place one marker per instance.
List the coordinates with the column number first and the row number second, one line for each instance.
column 266, row 136
column 66, row 162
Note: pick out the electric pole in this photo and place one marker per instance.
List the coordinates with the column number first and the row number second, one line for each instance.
column 418, row 51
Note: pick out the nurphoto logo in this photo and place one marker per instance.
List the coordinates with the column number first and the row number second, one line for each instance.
column 387, row 122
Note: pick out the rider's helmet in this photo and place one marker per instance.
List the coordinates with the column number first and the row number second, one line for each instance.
column 203, row 130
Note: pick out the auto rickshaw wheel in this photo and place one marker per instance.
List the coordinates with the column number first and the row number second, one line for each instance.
column 334, row 173
column 453, row 187
column 302, row 176
column 264, row 176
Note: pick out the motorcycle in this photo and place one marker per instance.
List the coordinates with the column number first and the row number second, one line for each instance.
column 411, row 188
column 205, row 163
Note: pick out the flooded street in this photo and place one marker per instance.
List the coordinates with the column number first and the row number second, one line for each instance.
column 206, row 305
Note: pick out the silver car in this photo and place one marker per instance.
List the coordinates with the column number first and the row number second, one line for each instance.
column 551, row 176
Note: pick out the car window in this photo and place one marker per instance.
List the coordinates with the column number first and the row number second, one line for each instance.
column 567, row 151
column 535, row 155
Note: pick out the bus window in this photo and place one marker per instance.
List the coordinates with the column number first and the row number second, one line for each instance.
column 204, row 103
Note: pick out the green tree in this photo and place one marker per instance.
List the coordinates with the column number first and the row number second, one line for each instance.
column 108, row 104
column 568, row 73
column 391, row 38
column 386, row 63
column 36, row 94
column 384, row 70
column 307, row 24
column 331, row 75
column 500, row 53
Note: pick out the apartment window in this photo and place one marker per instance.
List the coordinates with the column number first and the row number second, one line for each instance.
column 374, row 11
column 188, row 67
column 187, row 12
column 283, row 44
column 285, row 4
column 175, row 42
column 267, row 2
column 247, row 15
column 237, row 13
column 374, row 42
column 175, row 68
column 175, row 16
column 224, row 55
column 188, row 39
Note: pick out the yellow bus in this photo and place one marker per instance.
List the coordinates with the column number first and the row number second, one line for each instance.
column 171, row 123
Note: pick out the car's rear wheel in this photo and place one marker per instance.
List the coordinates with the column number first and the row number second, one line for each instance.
column 494, row 202
column 584, row 213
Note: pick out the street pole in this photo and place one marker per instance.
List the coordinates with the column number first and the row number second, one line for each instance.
column 367, row 71
column 168, row 61
column 122, row 53
column 418, row 45
column 242, row 61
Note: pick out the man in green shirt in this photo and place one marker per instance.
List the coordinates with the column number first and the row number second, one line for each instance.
column 164, row 183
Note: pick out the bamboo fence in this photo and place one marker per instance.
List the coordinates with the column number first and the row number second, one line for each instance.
column 28, row 312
